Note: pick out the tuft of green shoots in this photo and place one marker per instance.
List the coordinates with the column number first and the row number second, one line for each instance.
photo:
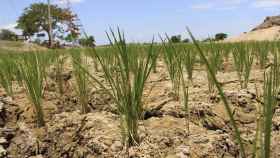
column 222, row 94
column 156, row 49
column 189, row 57
column 185, row 91
column 215, row 61
column 262, row 52
column 270, row 92
column 81, row 79
column 31, row 69
column 126, row 79
column 243, row 61
column 7, row 71
column 171, row 57
column 59, row 67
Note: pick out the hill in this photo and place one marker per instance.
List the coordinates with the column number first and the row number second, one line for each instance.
column 269, row 30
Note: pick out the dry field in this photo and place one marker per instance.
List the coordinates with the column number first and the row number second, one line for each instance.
column 92, row 103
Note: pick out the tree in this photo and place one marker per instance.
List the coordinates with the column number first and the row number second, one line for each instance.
column 35, row 20
column 186, row 40
column 87, row 42
column 8, row 35
column 175, row 39
column 220, row 36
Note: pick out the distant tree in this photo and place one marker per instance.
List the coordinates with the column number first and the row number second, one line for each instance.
column 175, row 39
column 220, row 36
column 34, row 20
column 87, row 42
column 186, row 40
column 8, row 35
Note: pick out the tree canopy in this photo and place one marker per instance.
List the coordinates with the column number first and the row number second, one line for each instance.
column 220, row 36
column 87, row 41
column 8, row 35
column 186, row 40
column 34, row 20
column 176, row 39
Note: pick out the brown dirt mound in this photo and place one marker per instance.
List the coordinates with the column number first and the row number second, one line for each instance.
column 269, row 30
column 267, row 34
column 269, row 22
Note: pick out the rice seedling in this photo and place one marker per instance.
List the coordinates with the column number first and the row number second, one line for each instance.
column 189, row 57
column 185, row 91
column 171, row 57
column 266, row 111
column 7, row 70
column 243, row 61
column 81, row 79
column 59, row 67
column 262, row 51
column 46, row 59
column 156, row 49
column 181, row 58
column 270, row 94
column 31, row 69
column 227, row 49
column 126, row 79
column 215, row 62
column 222, row 94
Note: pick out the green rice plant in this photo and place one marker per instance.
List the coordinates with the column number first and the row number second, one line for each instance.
column 12, row 60
column 270, row 93
column 185, row 91
column 189, row 57
column 215, row 61
column 171, row 55
column 95, row 63
column 59, row 67
column 156, row 49
column 243, row 61
column 7, row 70
column 223, row 97
column 126, row 79
column 227, row 49
column 81, row 79
column 31, row 69
column 177, row 57
column 262, row 51
column 264, row 126
column 104, row 53
column 46, row 58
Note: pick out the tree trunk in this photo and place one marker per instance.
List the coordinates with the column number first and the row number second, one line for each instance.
column 50, row 44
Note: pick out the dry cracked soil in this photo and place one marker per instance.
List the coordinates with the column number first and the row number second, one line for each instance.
column 163, row 132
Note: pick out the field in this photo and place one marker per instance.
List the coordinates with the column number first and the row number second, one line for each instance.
column 132, row 100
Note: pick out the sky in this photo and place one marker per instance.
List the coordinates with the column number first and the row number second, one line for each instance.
column 141, row 20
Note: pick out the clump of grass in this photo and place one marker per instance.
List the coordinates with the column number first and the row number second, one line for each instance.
column 189, row 57
column 185, row 91
column 177, row 59
column 7, row 72
column 171, row 57
column 243, row 61
column 46, row 59
column 266, row 111
column 31, row 70
column 222, row 94
column 59, row 67
column 262, row 51
column 215, row 61
column 81, row 79
column 270, row 93
column 154, row 66
column 126, row 79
